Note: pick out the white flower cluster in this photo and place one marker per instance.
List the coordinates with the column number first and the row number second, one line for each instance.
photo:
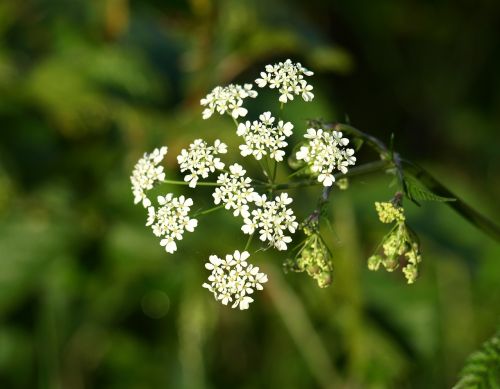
column 227, row 99
column 199, row 160
column 235, row 190
column 262, row 138
column 288, row 78
column 233, row 279
column 326, row 152
column 146, row 172
column 171, row 219
column 272, row 218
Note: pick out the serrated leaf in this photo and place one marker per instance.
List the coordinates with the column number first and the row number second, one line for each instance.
column 482, row 368
column 416, row 191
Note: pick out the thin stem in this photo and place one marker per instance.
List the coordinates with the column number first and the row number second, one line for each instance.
column 275, row 170
column 209, row 210
column 176, row 182
column 377, row 145
column 403, row 166
column 268, row 169
column 264, row 170
column 373, row 142
column 248, row 242
column 366, row 168
column 297, row 171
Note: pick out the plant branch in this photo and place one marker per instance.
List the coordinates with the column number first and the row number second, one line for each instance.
column 402, row 165
column 465, row 210
column 370, row 167
column 199, row 183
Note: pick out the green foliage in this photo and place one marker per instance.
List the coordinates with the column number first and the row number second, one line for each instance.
column 416, row 191
column 482, row 368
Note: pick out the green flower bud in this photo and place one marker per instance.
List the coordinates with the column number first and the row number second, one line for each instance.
column 374, row 262
column 388, row 213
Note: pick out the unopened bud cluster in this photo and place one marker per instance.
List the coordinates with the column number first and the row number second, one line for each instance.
column 399, row 246
column 314, row 258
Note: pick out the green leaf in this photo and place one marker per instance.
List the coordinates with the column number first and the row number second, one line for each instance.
column 469, row 213
column 416, row 191
column 482, row 368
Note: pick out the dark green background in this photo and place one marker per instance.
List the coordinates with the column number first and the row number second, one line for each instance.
column 88, row 298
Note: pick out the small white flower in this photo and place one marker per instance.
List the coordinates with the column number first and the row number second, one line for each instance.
column 235, row 190
column 199, row 160
column 288, row 78
column 171, row 219
column 271, row 219
column 228, row 99
column 326, row 152
column 151, row 216
column 262, row 138
column 145, row 174
column 232, row 279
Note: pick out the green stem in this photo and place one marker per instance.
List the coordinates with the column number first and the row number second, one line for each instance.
column 275, row 170
column 465, row 210
column 248, row 242
column 366, row 168
column 264, row 170
column 176, row 182
column 209, row 210
column 300, row 170
column 474, row 217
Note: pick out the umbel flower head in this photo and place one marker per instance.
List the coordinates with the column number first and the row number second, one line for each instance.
column 325, row 153
column 235, row 190
column 232, row 279
column 200, row 160
column 288, row 78
column 171, row 219
column 399, row 246
column 272, row 219
column 145, row 173
column 263, row 138
column 227, row 99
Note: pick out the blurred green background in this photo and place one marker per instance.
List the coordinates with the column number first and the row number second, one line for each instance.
column 89, row 299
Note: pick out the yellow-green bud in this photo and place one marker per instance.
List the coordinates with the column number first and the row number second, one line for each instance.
column 387, row 212
column 411, row 272
column 374, row 262
column 343, row 183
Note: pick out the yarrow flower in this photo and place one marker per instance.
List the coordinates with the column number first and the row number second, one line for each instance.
column 272, row 219
column 263, row 138
column 146, row 172
column 171, row 219
column 235, row 190
column 233, row 279
column 325, row 153
column 199, row 160
column 227, row 99
column 288, row 78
